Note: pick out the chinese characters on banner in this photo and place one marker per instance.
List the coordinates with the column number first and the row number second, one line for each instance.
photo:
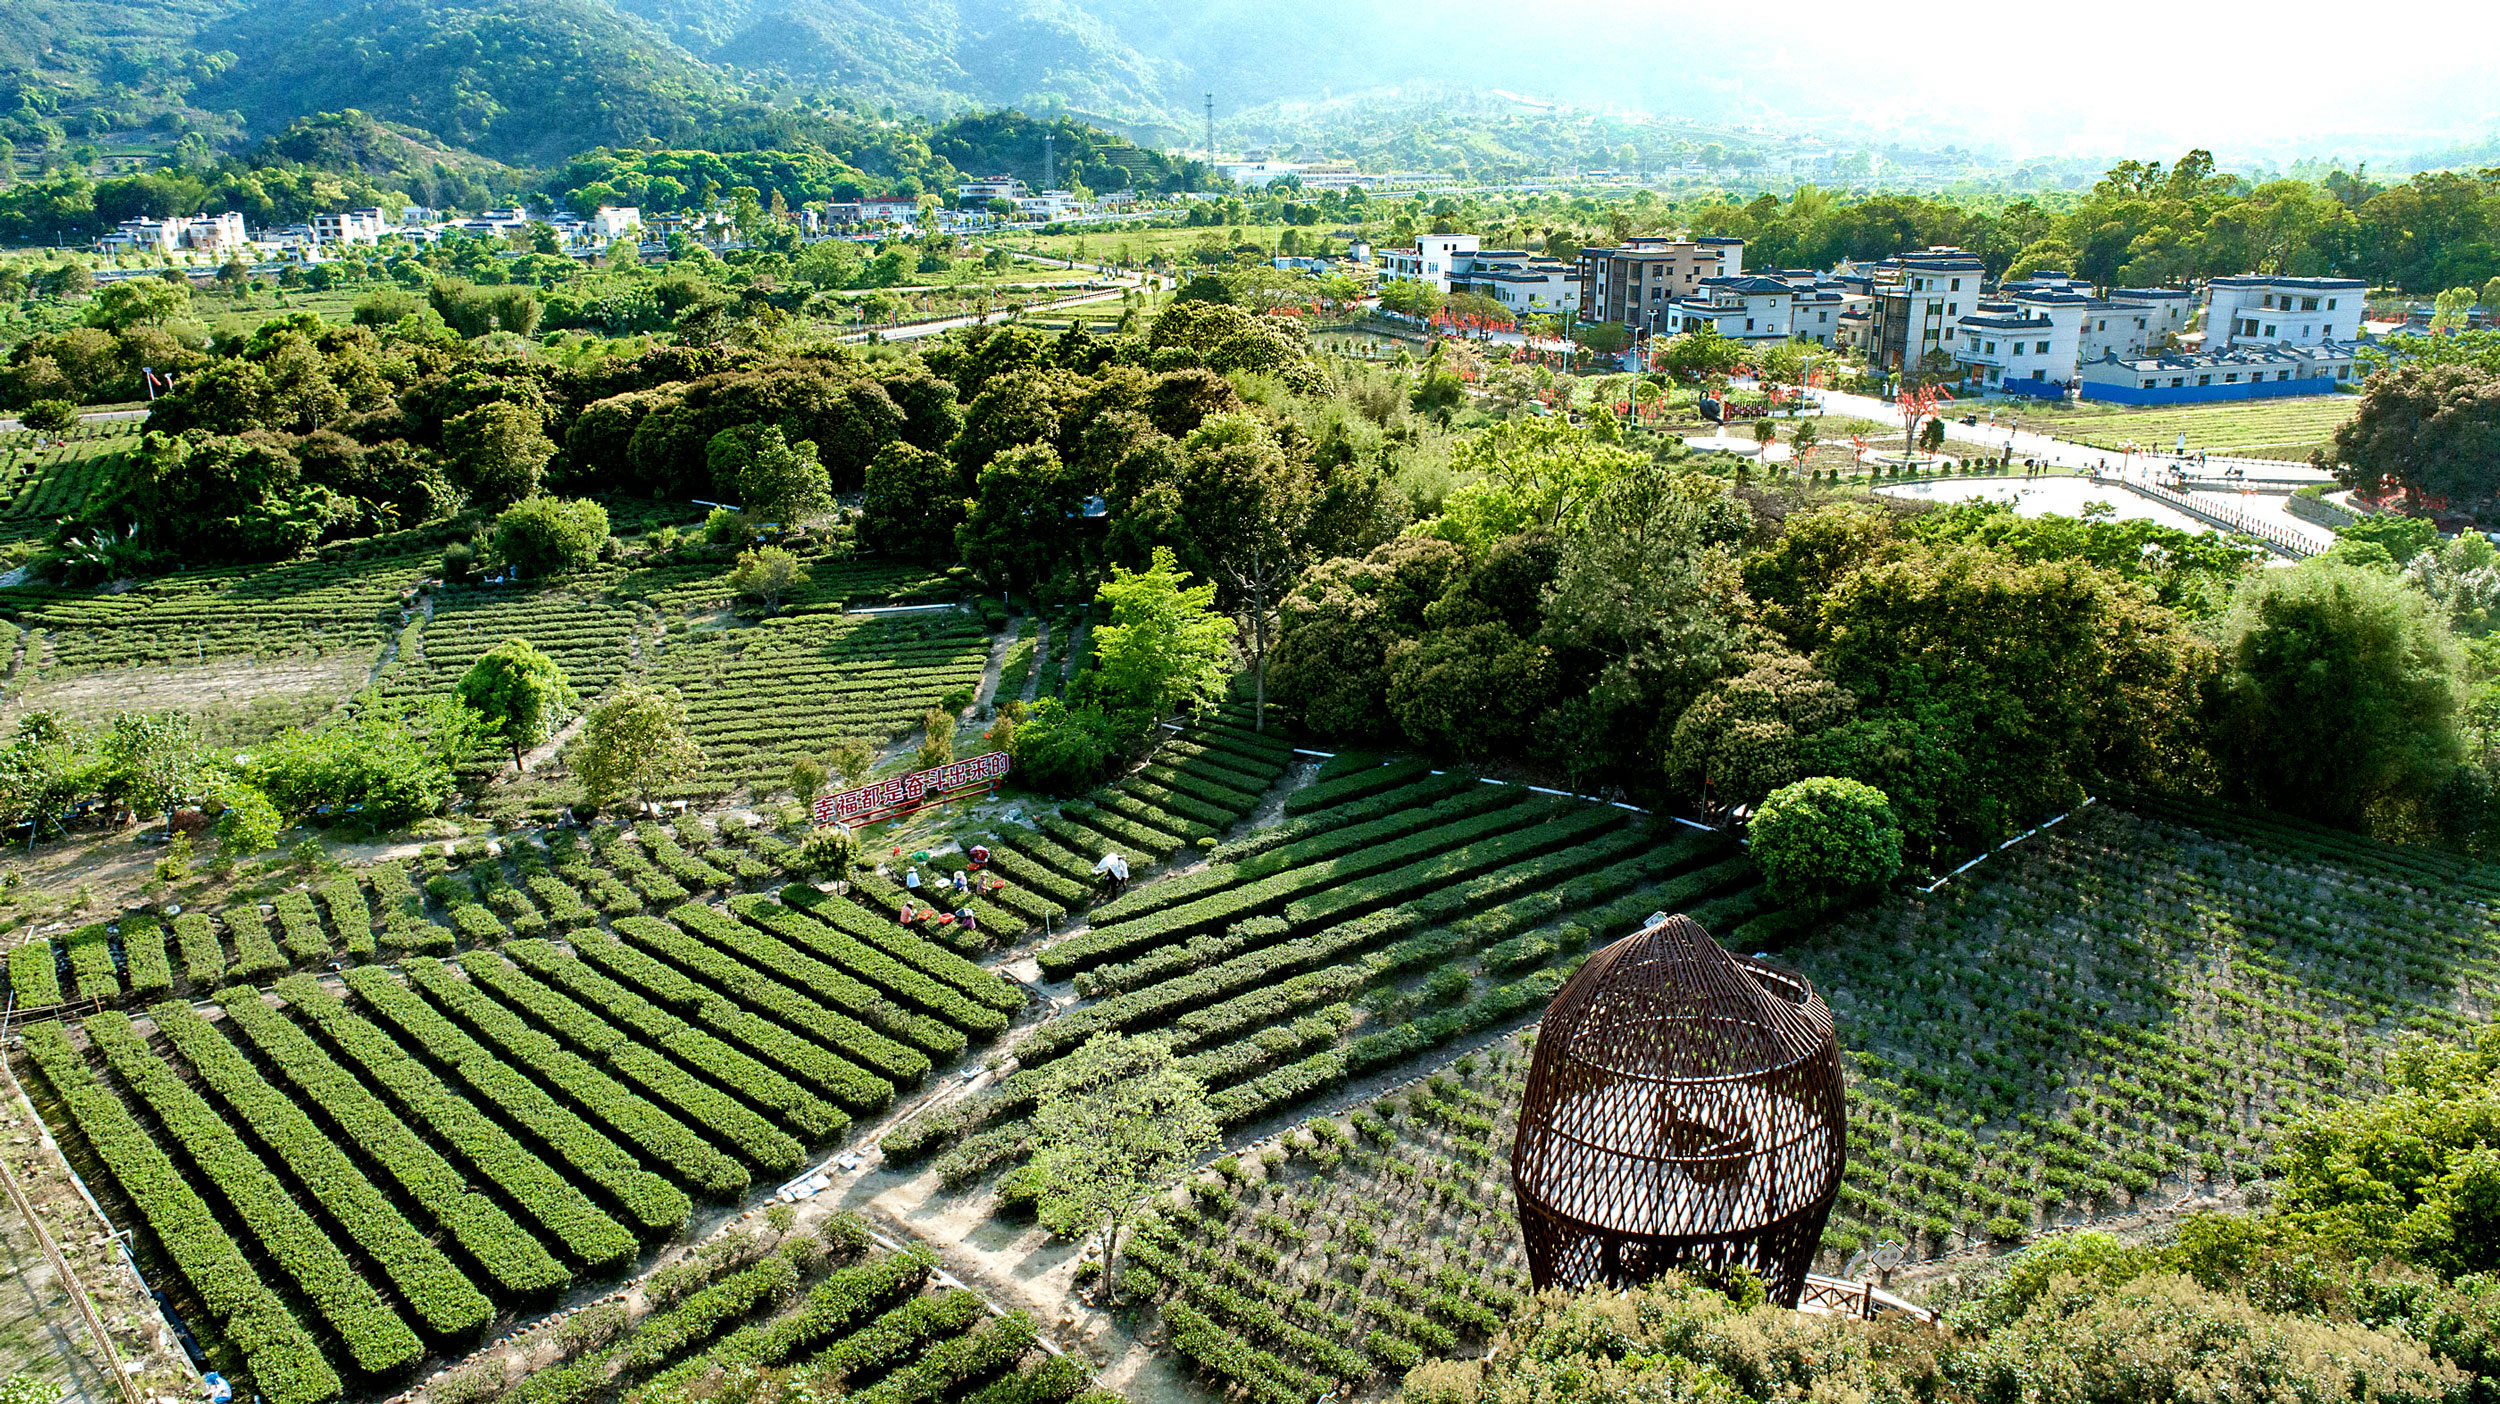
column 904, row 791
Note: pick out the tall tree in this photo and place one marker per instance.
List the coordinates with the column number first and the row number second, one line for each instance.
column 1247, row 504
column 1166, row 646
column 633, row 742
column 521, row 693
column 1114, row 1123
column 151, row 760
column 773, row 479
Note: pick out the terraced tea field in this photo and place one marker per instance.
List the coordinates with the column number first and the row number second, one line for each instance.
column 44, row 477
column 2121, row 1011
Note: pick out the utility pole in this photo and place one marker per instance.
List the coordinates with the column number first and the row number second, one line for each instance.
column 1047, row 182
column 1210, row 133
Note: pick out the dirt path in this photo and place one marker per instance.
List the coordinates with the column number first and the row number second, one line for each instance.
column 1041, row 654
column 987, row 692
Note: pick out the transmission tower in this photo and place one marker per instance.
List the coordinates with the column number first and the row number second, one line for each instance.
column 1210, row 129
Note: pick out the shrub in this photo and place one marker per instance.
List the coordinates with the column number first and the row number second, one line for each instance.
column 1823, row 841
column 549, row 535
column 1066, row 749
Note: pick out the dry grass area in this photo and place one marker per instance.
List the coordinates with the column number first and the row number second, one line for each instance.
column 236, row 700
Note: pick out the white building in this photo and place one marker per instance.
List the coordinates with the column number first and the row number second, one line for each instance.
column 611, row 222
column 1049, row 205
column 218, row 233
column 2244, row 372
column 349, row 227
column 1434, row 259
column 997, row 187
column 2302, row 311
column 1524, row 282
column 2026, row 346
column 1747, row 307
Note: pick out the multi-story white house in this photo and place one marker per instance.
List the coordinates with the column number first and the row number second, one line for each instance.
column 1524, row 282
column 217, row 233
column 1746, row 307
column 349, row 227
column 2302, row 311
column 1437, row 259
column 2026, row 346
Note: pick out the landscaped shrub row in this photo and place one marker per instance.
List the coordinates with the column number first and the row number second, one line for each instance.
column 143, row 951
column 893, row 1338
column 35, row 974
column 1161, row 1003
column 1055, row 1379
column 255, row 954
column 306, row 943
column 1127, row 804
column 1108, row 942
column 687, row 1156
column 588, row 1237
column 1221, row 1067
column 878, row 969
column 1300, row 1081
column 1065, row 892
column 514, row 1260
column 441, row 1297
column 636, row 871
column 1071, row 864
column 696, row 1046
column 837, row 1305
column 845, row 1082
column 285, row 1362
column 404, row 923
column 985, row 987
column 1436, row 875
column 1208, row 754
column 375, row 1336
column 469, row 916
column 666, row 1335
column 1171, row 962
column 1361, row 833
column 666, row 1085
column 90, row 950
column 349, row 914
column 952, row 1367
column 1267, row 1005
column 203, row 955
column 861, row 1023
column 1085, row 828
column 1204, row 785
column 1362, row 784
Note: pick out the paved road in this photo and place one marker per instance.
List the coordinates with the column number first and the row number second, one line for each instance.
column 12, row 422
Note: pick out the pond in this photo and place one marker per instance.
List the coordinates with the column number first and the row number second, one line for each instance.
column 2065, row 497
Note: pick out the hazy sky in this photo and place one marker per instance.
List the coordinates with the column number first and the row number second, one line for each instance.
column 2282, row 79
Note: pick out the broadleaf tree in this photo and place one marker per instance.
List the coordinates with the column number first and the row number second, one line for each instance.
column 520, row 691
column 1114, row 1123
column 633, row 741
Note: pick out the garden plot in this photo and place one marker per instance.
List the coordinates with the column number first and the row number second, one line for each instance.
column 303, row 608
column 2283, row 429
column 795, row 686
column 2126, row 1007
column 48, row 476
column 826, row 1305
column 1413, row 911
column 589, row 635
column 497, row 1075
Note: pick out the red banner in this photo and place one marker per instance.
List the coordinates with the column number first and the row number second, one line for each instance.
column 870, row 802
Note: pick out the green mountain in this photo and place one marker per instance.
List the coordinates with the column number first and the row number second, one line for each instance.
column 519, row 80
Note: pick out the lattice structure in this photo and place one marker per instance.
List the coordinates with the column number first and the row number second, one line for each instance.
column 1684, row 1110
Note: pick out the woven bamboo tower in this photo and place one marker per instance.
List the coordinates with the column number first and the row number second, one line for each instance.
column 1684, row 1110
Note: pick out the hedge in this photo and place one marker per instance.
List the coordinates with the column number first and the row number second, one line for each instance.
column 665, row 1335
column 834, row 1306
column 845, row 1082
column 143, row 948
column 655, row 1205
column 300, row 927
column 1253, row 898
column 1056, row 1380
column 1362, row 784
column 643, row 1126
column 349, row 914
column 1200, row 785
column 878, row 968
column 952, row 1366
column 203, row 955
column 703, row 942
column 984, row 986
column 1083, row 828
column 255, row 955
column 1371, row 829
column 1046, row 881
column 441, row 1297
column 1436, row 875
column 90, row 950
column 490, row 1237
column 375, row 1336
column 894, row 1337
column 284, row 1359
column 35, row 974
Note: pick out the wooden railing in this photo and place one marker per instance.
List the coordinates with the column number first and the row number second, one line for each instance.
column 1864, row 1300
